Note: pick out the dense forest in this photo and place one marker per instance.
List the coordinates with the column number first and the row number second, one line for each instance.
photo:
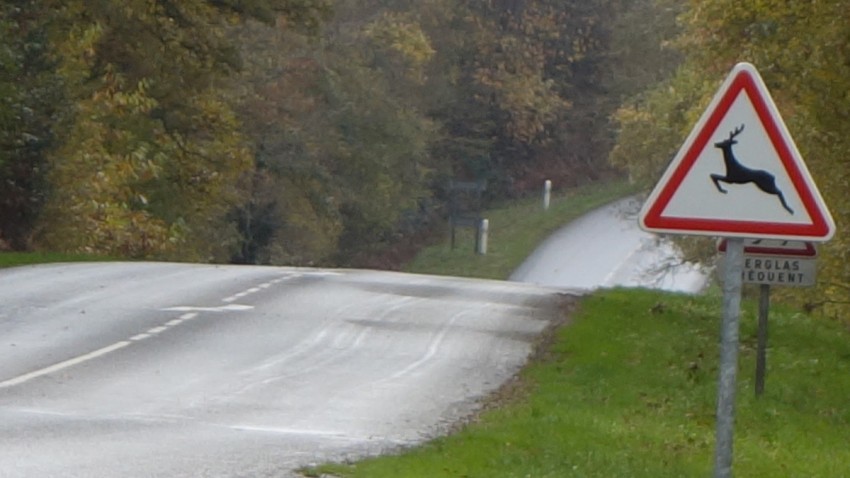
column 319, row 132
column 290, row 131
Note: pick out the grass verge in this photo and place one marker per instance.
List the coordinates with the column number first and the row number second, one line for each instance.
column 11, row 259
column 515, row 231
column 629, row 390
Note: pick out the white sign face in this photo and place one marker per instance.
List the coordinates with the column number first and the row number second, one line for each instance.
column 699, row 197
column 739, row 174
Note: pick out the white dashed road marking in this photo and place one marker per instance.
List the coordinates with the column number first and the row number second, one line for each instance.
column 223, row 308
column 63, row 365
column 191, row 313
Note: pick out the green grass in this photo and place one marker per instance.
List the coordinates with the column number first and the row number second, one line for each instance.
column 629, row 389
column 515, row 231
column 11, row 259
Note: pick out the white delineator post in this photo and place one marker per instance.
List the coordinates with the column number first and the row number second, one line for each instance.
column 547, row 194
column 482, row 241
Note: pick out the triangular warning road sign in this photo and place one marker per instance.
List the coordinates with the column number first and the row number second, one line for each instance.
column 739, row 173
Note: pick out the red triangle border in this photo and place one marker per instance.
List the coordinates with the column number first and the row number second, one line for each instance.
column 820, row 227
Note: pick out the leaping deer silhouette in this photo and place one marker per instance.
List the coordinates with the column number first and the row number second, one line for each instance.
column 737, row 173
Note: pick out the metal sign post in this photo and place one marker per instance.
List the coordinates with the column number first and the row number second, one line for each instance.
column 761, row 351
column 465, row 205
column 732, row 285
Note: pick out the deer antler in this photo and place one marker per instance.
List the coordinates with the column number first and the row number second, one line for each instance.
column 736, row 132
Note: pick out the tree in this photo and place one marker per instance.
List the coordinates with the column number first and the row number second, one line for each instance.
column 528, row 96
column 32, row 106
column 340, row 153
column 150, row 164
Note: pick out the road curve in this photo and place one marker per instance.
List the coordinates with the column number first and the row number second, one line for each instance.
column 606, row 248
column 183, row 370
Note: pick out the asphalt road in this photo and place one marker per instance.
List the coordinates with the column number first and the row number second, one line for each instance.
column 180, row 370
column 606, row 248
column 183, row 370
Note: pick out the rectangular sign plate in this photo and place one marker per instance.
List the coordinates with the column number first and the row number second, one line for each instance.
column 777, row 270
column 789, row 271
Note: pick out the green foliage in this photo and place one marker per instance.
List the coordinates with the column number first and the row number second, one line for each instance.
column 90, row 209
column 31, row 109
column 653, row 126
column 379, row 155
column 149, row 167
column 641, row 45
column 349, row 151
column 15, row 259
column 394, row 34
column 529, row 100
column 307, row 14
column 629, row 389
